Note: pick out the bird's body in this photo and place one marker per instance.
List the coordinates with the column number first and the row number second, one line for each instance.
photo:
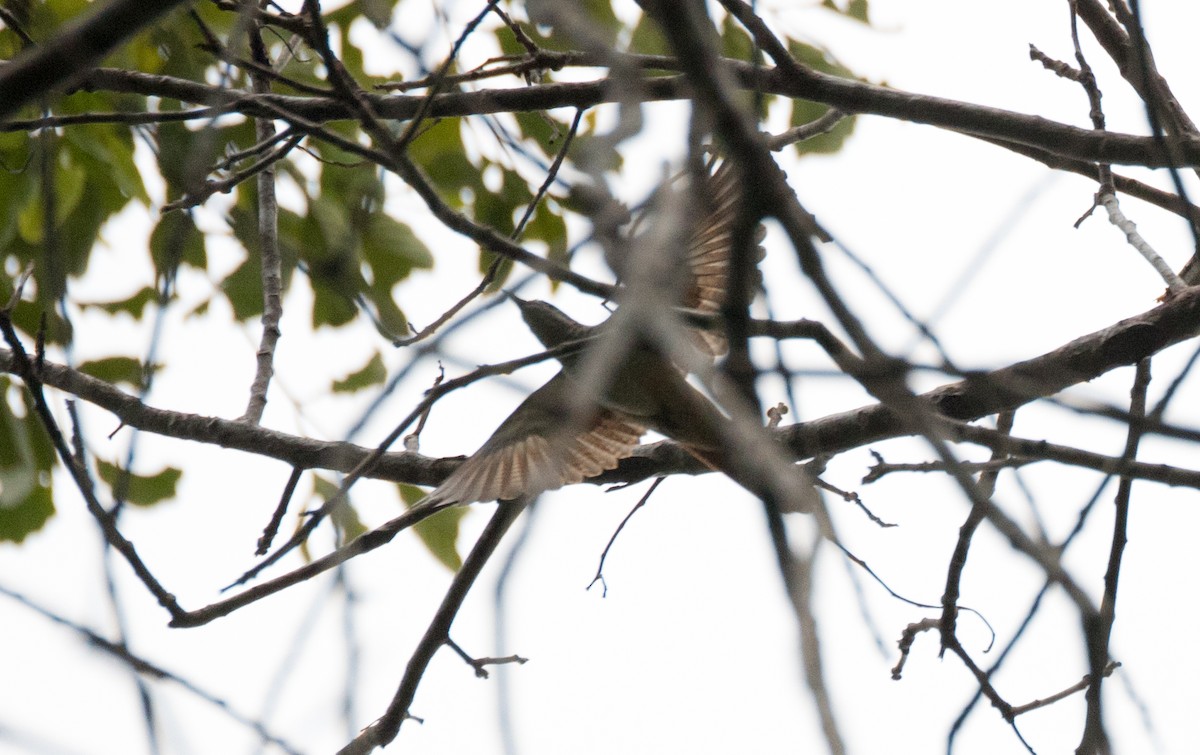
column 645, row 388
column 642, row 384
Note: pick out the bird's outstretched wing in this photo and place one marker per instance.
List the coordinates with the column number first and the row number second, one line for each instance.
column 540, row 447
column 710, row 249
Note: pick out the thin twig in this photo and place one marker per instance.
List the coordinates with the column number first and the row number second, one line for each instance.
column 367, row 463
column 616, row 533
column 436, row 82
column 1098, row 628
column 113, row 536
column 268, row 535
column 147, row 669
column 384, row 730
column 268, row 240
column 260, row 168
column 1108, row 200
column 1081, row 685
column 958, row 559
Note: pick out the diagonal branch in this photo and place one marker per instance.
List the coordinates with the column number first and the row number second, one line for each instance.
column 384, row 730
column 1086, row 358
column 847, row 95
column 66, row 57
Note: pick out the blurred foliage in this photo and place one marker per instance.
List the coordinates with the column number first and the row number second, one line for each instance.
column 343, row 516
column 140, row 490
column 115, row 370
column 134, row 305
column 855, row 9
column 372, row 373
column 806, row 111
column 26, row 455
column 63, row 187
column 438, row 532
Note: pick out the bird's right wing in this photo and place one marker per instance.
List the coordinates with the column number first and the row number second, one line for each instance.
column 537, row 449
column 710, row 248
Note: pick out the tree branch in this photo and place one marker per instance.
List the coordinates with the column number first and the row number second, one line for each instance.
column 847, row 95
column 1081, row 360
column 63, row 59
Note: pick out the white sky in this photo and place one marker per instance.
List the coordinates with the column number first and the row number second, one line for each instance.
column 694, row 649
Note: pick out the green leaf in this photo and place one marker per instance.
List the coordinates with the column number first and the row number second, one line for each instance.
column 378, row 12
column 243, row 288
column 832, row 141
column 855, row 9
column 393, row 323
column 601, row 20
column 140, row 490
column 184, row 154
column 173, row 49
column 331, row 306
column 344, row 517
column 174, row 240
column 116, row 370
column 738, row 45
column 372, row 373
column 328, row 215
column 70, row 179
column 602, row 23
column 503, row 271
column 18, row 183
column 735, row 42
column 357, row 191
column 26, row 500
column 508, row 41
column 439, row 532
column 59, row 12
column 134, row 305
column 333, row 262
column 806, row 111
column 111, row 148
column 547, row 225
column 26, row 514
column 648, row 39
column 439, row 150
column 541, row 127
column 29, row 221
column 94, row 178
column 392, row 249
column 498, row 209
column 599, row 150
column 44, row 455
column 28, row 317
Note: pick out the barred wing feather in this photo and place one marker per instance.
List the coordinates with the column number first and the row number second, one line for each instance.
column 536, row 449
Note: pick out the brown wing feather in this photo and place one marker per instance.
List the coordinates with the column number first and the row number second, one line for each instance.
column 536, row 450
column 709, row 249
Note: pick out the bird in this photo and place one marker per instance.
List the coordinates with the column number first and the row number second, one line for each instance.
column 578, row 425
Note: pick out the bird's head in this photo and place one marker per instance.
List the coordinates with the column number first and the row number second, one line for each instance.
column 551, row 326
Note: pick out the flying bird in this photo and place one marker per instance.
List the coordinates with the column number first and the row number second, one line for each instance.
column 579, row 424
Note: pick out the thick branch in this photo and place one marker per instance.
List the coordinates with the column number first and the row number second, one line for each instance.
column 384, row 730
column 845, row 94
column 1079, row 361
column 64, row 58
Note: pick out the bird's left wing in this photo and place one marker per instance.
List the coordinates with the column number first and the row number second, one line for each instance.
column 543, row 445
